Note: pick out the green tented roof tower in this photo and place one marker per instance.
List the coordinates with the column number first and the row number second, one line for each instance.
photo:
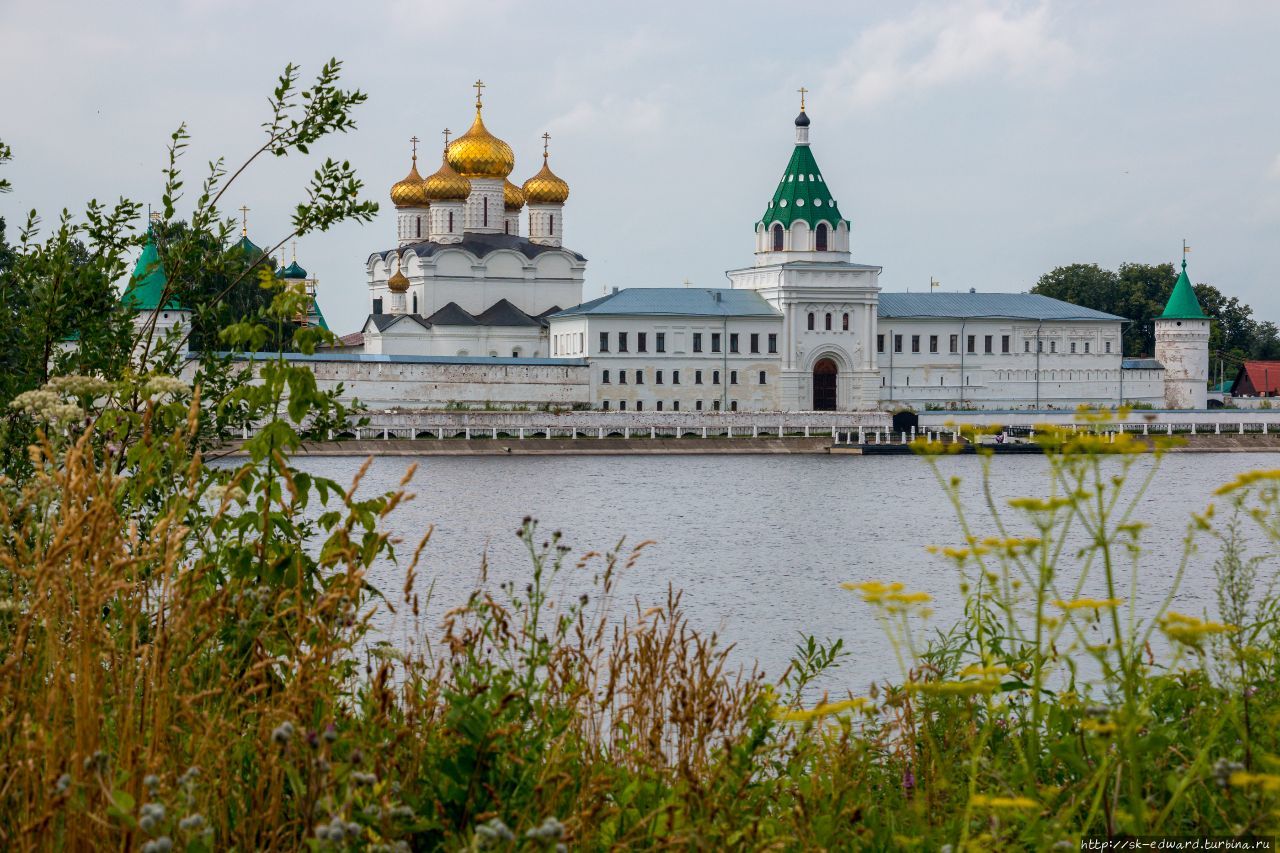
column 148, row 283
column 802, row 192
column 1182, row 304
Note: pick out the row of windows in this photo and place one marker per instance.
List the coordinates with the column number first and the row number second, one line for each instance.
column 606, row 377
column 675, row 405
column 819, row 237
column 564, row 344
column 660, row 342
column 844, row 321
column 971, row 344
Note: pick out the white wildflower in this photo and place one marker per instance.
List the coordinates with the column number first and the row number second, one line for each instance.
column 158, row 385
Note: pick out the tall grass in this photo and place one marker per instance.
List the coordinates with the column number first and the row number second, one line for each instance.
column 186, row 660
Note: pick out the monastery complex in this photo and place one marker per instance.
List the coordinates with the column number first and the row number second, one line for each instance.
column 477, row 303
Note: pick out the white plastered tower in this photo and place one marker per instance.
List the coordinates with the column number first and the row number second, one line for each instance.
column 1182, row 346
column 829, row 303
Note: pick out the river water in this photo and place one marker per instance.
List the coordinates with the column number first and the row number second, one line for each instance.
column 758, row 544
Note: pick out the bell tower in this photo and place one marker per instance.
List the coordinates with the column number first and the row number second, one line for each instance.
column 1182, row 345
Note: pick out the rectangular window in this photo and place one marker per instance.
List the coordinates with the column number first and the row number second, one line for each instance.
column 1073, row 347
column 733, row 405
column 972, row 344
column 715, row 404
column 933, row 343
column 715, row 377
column 622, row 341
column 639, row 405
column 698, row 405
column 897, row 343
column 660, row 341
column 1026, row 346
column 604, row 342
column 987, row 344
column 762, row 377
column 1053, row 346
column 773, row 343
column 622, row 377
column 642, row 342
column 675, row 405
column 657, row 377
column 1039, row 346
column 733, row 342
column 733, row 377
column 1108, row 345
column 658, row 405
column 1086, row 347
column 604, row 404
column 697, row 341
column 604, row 379
column 639, row 377
column 915, row 343
column 715, row 342
column 755, row 342
column 697, row 377
column 1004, row 344
column 377, row 305
column 675, row 377
column 622, row 405
column 955, row 344
column 879, row 343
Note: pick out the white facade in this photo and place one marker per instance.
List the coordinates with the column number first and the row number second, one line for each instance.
column 1182, row 346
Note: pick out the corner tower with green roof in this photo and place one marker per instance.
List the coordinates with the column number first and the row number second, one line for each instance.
column 1182, row 346
column 149, row 296
column 829, row 304
column 803, row 219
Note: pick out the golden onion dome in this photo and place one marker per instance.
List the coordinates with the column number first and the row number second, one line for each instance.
column 410, row 192
column 546, row 187
column 512, row 197
column 446, row 184
column 479, row 154
column 398, row 282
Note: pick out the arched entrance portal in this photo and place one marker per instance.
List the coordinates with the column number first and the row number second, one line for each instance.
column 824, row 385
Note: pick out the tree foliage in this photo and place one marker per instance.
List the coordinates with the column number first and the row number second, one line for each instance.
column 1138, row 292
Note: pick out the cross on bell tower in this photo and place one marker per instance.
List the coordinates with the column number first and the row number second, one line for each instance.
column 802, row 90
column 244, row 221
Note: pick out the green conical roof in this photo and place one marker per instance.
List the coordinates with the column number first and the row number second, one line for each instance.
column 802, row 193
column 320, row 321
column 293, row 271
column 1182, row 304
column 147, row 284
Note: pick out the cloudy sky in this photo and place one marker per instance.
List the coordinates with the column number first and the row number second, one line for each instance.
column 979, row 142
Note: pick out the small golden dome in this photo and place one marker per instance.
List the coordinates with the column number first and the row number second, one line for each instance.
column 546, row 187
column 446, row 184
column 410, row 192
column 479, row 154
column 399, row 282
column 512, row 197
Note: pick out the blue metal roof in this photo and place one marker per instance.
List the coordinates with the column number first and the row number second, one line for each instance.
column 1011, row 306
column 677, row 301
column 1141, row 364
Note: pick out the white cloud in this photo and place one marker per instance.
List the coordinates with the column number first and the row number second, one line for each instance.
column 937, row 46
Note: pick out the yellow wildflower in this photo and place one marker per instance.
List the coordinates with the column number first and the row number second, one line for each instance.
column 1268, row 782
column 1088, row 603
column 984, row 801
column 1247, row 479
column 1098, row 727
column 1189, row 630
column 826, row 709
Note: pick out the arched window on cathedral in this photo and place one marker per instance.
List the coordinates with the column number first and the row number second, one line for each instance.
column 506, row 226
column 485, row 202
column 415, row 303
column 777, row 242
column 820, row 237
column 451, row 221
column 418, row 220
column 811, row 321
column 828, row 322
column 844, row 322
column 551, row 224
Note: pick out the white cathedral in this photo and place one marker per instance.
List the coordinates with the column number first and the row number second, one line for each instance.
column 480, row 305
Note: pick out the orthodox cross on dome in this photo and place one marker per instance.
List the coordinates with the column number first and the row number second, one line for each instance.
column 479, row 84
column 414, row 140
column 244, row 221
column 803, row 91
column 295, row 251
column 546, row 142
column 446, row 133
